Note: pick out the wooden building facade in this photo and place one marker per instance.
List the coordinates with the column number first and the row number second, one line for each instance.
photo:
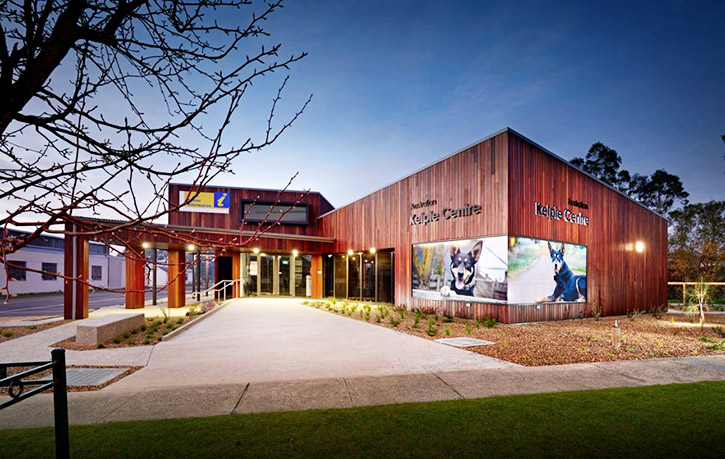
column 504, row 189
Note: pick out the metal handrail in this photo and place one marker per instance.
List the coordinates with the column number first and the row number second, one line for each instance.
column 16, row 389
column 224, row 282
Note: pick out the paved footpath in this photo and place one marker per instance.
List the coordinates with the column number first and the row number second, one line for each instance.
column 287, row 395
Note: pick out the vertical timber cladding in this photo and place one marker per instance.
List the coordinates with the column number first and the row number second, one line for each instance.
column 619, row 278
column 476, row 175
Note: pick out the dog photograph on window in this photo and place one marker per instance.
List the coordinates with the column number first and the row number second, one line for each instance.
column 472, row 270
column 542, row 271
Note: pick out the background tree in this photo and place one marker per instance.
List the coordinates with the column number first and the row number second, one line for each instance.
column 697, row 242
column 659, row 192
column 104, row 103
column 604, row 163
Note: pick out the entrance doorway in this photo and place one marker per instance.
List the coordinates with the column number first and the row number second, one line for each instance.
column 283, row 275
column 225, row 272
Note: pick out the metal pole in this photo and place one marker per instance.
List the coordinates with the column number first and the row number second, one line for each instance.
column 60, row 404
column 193, row 273
column 153, row 278
column 207, row 274
column 197, row 266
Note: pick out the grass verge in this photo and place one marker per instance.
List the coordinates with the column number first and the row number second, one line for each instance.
column 679, row 420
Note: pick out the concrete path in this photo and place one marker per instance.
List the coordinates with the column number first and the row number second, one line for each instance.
column 211, row 400
column 254, row 340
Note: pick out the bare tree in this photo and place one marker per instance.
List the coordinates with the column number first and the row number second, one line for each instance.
column 104, row 103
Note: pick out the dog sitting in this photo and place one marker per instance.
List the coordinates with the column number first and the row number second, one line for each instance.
column 463, row 269
column 569, row 287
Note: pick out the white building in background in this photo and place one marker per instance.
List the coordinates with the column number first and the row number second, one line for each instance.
column 45, row 253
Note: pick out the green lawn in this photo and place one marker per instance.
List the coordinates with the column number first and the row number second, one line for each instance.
column 659, row 421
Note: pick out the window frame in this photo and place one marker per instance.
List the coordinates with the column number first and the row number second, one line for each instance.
column 280, row 205
column 45, row 267
column 100, row 269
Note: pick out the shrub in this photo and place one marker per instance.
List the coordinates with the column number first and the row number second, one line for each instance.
column 417, row 317
column 180, row 321
column 7, row 333
column 100, row 346
column 468, row 329
column 431, row 331
column 659, row 311
column 393, row 321
column 448, row 331
column 117, row 340
column 31, row 327
column 490, row 323
column 147, row 341
column 134, row 331
column 143, row 327
column 448, row 318
column 126, row 336
column 719, row 331
column 633, row 314
column 596, row 312
column 130, row 341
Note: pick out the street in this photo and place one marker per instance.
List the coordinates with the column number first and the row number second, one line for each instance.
column 52, row 304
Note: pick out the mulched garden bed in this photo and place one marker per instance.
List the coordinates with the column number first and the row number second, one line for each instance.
column 8, row 333
column 643, row 336
column 151, row 332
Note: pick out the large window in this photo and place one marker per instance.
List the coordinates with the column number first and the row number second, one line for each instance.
column 366, row 276
column 385, row 282
column 340, row 276
column 49, row 268
column 17, row 272
column 284, row 213
column 96, row 272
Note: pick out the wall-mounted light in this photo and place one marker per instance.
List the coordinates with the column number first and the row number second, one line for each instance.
column 639, row 246
column 145, row 245
column 373, row 250
column 350, row 252
column 295, row 253
column 255, row 250
column 329, row 255
column 190, row 248
column 512, row 241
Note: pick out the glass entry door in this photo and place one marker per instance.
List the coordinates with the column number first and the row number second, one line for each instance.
column 284, row 275
column 266, row 275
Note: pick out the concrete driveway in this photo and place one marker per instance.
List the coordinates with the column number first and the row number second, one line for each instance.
column 255, row 340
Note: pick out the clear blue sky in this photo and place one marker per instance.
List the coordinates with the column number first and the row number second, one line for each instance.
column 398, row 85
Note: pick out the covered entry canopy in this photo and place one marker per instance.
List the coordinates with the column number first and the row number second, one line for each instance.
column 178, row 240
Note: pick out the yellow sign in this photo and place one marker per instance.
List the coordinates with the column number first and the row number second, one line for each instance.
column 216, row 202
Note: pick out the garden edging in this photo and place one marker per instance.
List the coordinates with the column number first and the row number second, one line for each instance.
column 195, row 321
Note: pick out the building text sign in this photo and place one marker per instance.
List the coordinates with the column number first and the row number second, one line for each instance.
column 554, row 213
column 446, row 214
column 212, row 202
